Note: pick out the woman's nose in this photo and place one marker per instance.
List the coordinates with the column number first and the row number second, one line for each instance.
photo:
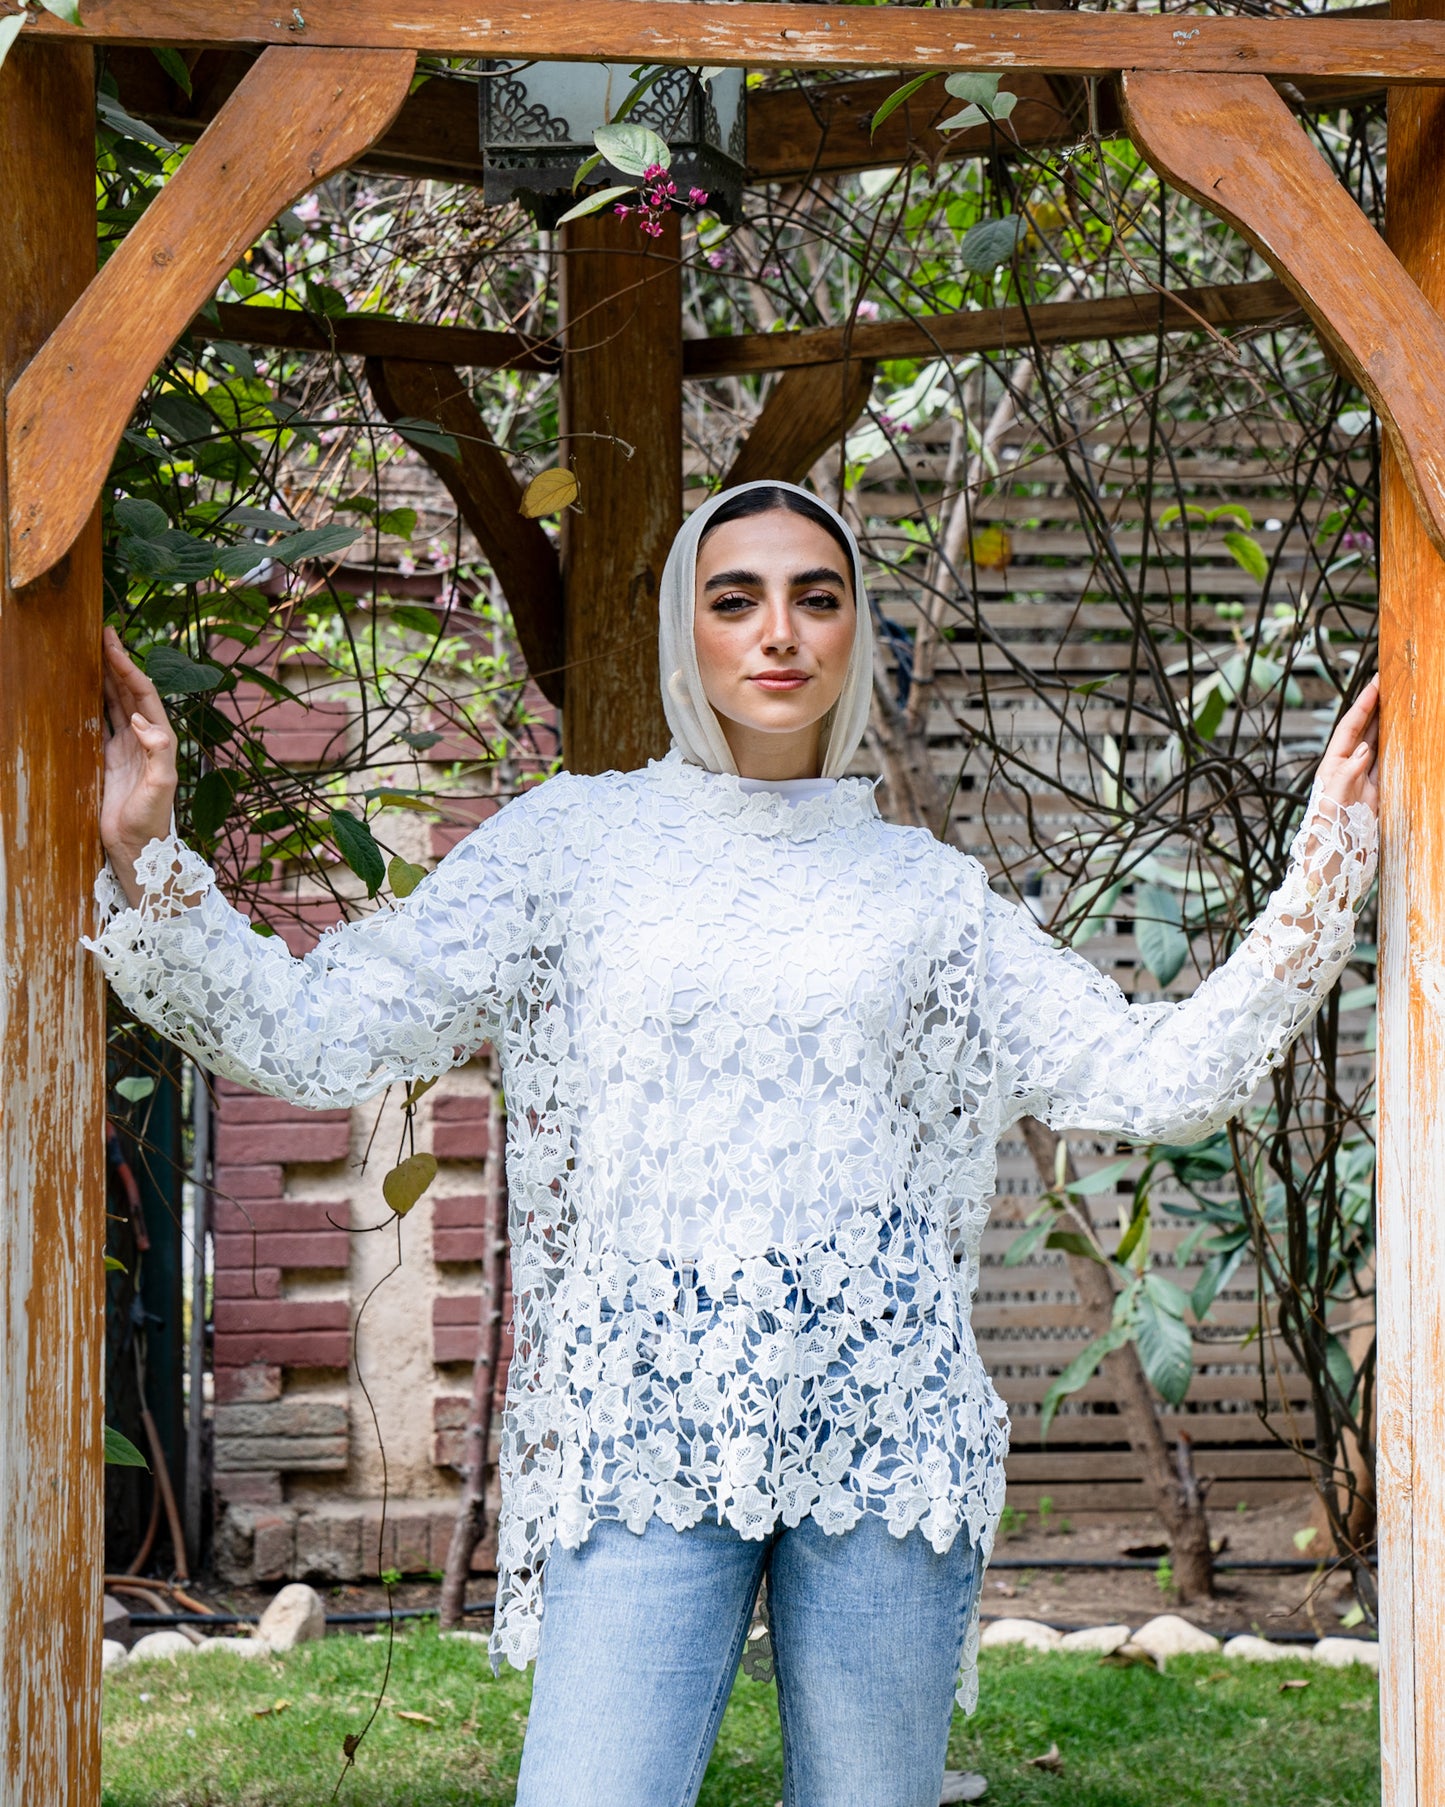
column 779, row 631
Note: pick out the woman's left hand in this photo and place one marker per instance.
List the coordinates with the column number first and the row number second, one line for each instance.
column 1347, row 773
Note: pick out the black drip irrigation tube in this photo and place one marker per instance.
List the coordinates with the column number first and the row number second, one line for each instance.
column 378, row 1617
column 1287, row 1565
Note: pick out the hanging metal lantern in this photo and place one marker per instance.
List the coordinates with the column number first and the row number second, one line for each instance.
column 537, row 122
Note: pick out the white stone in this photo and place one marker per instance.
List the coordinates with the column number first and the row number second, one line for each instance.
column 112, row 1651
column 1169, row 1635
column 1096, row 1640
column 1336, row 1653
column 168, row 1644
column 295, row 1616
column 247, row 1647
column 1249, row 1649
column 1028, row 1633
column 961, row 1785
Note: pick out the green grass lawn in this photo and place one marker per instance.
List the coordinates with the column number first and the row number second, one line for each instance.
column 1206, row 1734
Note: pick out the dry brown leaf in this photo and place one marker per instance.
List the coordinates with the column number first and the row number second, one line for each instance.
column 992, row 548
column 276, row 1706
column 549, row 492
column 1050, row 1760
column 406, row 1182
column 1298, row 1682
column 415, row 1718
column 418, row 1090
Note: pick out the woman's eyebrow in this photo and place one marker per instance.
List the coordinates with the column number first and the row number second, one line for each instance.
column 818, row 575
column 725, row 578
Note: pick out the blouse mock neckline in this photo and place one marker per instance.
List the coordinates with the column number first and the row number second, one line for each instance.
column 799, row 808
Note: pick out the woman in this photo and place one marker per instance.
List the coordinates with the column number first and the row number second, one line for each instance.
column 758, row 1048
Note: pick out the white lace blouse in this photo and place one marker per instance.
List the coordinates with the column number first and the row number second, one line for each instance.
column 757, row 1051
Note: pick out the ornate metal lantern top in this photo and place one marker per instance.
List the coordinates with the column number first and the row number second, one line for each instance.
column 537, row 122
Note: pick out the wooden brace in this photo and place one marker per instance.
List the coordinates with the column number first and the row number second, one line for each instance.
column 488, row 498
column 809, row 411
column 1233, row 144
column 298, row 116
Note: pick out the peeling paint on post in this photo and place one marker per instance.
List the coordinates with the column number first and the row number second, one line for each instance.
column 52, row 1229
column 1411, row 1263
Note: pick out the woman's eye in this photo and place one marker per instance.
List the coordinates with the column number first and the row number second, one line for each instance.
column 732, row 605
column 821, row 601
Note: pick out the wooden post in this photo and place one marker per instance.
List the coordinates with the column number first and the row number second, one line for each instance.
column 1411, row 1271
column 52, row 1017
column 622, row 435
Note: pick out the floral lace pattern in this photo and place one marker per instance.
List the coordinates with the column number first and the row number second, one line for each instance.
column 757, row 1057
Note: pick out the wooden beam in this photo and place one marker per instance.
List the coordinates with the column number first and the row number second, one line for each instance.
column 1410, row 1271
column 808, row 412
column 794, row 131
column 294, row 120
column 1231, row 143
column 488, row 497
column 766, row 34
column 1224, row 305
column 52, row 1009
column 994, row 329
column 621, row 423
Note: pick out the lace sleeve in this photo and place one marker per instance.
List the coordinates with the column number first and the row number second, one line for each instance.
column 1072, row 1050
column 403, row 993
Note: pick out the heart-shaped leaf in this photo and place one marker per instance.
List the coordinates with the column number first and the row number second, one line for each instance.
column 549, row 492
column 974, row 85
column 991, row 243
column 403, row 877
column 173, row 674
column 406, row 1182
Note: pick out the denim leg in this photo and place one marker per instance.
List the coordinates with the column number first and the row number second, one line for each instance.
column 867, row 1633
column 641, row 1637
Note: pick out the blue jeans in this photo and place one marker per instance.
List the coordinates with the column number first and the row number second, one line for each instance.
column 641, row 1637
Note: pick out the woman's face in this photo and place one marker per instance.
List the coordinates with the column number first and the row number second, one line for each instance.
column 773, row 624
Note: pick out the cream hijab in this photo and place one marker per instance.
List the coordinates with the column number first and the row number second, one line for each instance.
column 695, row 726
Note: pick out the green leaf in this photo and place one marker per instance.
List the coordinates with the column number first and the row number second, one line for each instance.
column 632, row 148
column 120, row 1452
column 991, row 243
column 1163, row 945
column 1178, row 512
column 426, row 436
column 1341, row 1369
column 1073, row 1243
column 112, row 1266
column 400, row 522
column 174, row 65
column 239, row 560
column 412, row 615
column 1166, row 1295
column 1232, row 511
column 1214, row 1276
column 134, row 1087
column 10, row 29
column 173, row 674
column 358, row 848
column 313, row 542
column 1166, row 1349
column 420, row 741
column 595, row 202
column 144, row 519
column 403, row 877
column 1249, row 554
column 183, row 421
column 1210, row 712
column 1129, row 1241
column 896, row 99
column 585, row 169
column 1102, row 1179
column 973, row 85
column 211, row 800
column 1079, row 1370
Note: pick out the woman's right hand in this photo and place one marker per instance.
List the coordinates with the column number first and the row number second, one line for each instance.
column 140, row 764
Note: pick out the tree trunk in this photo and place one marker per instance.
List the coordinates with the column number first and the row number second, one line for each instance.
column 1178, row 1494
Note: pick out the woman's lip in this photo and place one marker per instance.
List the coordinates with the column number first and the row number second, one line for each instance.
column 781, row 680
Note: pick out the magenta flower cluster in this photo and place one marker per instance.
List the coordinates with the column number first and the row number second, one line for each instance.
column 658, row 195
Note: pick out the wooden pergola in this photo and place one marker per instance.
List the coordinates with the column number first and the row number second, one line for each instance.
column 303, row 91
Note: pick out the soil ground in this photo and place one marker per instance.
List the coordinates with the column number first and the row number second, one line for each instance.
column 1022, row 1584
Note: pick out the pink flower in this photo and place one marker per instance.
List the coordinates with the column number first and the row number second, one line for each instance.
column 1357, row 541
column 651, row 226
column 622, row 208
column 698, row 196
column 866, row 310
column 719, row 260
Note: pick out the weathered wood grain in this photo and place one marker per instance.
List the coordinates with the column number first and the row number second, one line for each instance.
column 743, row 354
column 1410, row 1273
column 807, row 413
column 293, row 120
column 1232, row 144
column 488, row 496
column 621, row 424
column 791, row 36
column 52, row 1011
